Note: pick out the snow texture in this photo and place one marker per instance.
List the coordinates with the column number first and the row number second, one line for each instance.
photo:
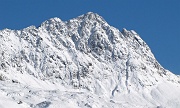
column 82, row 63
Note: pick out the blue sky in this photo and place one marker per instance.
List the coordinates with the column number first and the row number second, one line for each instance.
column 157, row 21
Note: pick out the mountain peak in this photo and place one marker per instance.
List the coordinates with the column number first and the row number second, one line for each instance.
column 91, row 17
column 83, row 57
column 91, row 13
column 55, row 19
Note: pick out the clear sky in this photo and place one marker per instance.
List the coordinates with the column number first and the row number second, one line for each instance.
column 157, row 21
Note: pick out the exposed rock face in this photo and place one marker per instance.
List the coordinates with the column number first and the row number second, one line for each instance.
column 86, row 54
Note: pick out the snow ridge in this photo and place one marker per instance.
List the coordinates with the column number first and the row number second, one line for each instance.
column 85, row 62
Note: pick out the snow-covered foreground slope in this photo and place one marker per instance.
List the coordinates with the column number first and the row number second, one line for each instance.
column 82, row 63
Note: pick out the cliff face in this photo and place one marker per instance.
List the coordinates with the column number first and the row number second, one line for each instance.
column 85, row 58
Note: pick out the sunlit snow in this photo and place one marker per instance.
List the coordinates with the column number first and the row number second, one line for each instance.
column 82, row 63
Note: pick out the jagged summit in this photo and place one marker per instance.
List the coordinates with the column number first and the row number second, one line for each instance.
column 87, row 60
column 90, row 16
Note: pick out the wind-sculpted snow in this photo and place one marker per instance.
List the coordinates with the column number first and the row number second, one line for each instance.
column 83, row 62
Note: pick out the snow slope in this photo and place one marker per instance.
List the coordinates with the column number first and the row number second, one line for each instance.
column 82, row 63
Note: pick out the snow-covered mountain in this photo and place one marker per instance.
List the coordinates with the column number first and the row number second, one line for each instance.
column 82, row 63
